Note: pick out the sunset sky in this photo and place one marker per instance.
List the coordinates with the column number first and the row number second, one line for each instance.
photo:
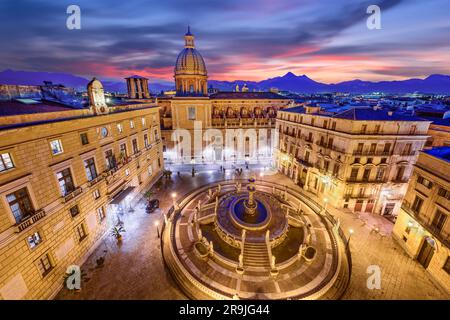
column 245, row 39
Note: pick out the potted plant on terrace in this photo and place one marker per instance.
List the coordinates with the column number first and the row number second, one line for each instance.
column 116, row 232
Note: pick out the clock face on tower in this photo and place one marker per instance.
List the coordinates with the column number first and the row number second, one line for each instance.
column 104, row 132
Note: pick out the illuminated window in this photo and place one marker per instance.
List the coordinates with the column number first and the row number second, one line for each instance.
column 119, row 127
column 33, row 240
column 5, row 162
column 143, row 122
column 91, row 171
column 65, row 181
column 20, row 203
column 56, row 147
column 131, row 124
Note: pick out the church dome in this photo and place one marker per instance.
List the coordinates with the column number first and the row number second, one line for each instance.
column 190, row 61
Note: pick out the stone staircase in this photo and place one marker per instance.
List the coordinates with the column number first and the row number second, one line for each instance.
column 255, row 255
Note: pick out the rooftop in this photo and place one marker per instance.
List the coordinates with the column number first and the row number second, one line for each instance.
column 439, row 152
column 29, row 106
column 247, row 95
column 363, row 114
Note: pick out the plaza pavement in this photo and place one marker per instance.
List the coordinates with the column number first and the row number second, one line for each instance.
column 135, row 269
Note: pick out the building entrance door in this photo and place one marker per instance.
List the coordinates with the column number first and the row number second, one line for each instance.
column 358, row 205
column 426, row 252
column 369, row 205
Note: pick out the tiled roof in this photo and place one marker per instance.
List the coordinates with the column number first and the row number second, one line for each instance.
column 12, row 108
column 247, row 95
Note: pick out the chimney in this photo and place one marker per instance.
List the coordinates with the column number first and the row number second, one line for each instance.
column 390, row 112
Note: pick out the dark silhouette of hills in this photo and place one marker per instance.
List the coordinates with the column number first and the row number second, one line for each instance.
column 435, row 83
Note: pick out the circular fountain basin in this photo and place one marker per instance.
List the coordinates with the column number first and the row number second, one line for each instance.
column 256, row 221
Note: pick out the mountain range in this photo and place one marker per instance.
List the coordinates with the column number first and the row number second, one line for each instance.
column 435, row 83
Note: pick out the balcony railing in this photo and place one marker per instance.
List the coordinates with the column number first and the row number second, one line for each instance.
column 124, row 161
column 370, row 153
column 73, row 194
column 303, row 162
column 358, row 196
column 137, row 154
column 95, row 180
column 36, row 216
column 365, row 180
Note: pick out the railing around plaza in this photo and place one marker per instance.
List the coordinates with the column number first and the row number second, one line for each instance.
column 313, row 205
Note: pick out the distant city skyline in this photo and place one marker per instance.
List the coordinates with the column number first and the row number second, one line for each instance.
column 251, row 40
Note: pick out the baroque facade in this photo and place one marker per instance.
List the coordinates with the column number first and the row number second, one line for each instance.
column 360, row 159
column 251, row 114
column 423, row 224
column 63, row 174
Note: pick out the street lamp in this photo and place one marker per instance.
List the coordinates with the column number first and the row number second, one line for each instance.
column 350, row 231
column 157, row 228
column 174, row 196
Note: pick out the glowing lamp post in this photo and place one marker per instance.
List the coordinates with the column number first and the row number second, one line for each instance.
column 350, row 232
column 174, row 202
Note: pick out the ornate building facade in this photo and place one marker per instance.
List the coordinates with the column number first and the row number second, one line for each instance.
column 64, row 173
column 423, row 224
column 192, row 112
column 360, row 159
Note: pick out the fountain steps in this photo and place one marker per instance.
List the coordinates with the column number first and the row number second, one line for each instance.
column 255, row 255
